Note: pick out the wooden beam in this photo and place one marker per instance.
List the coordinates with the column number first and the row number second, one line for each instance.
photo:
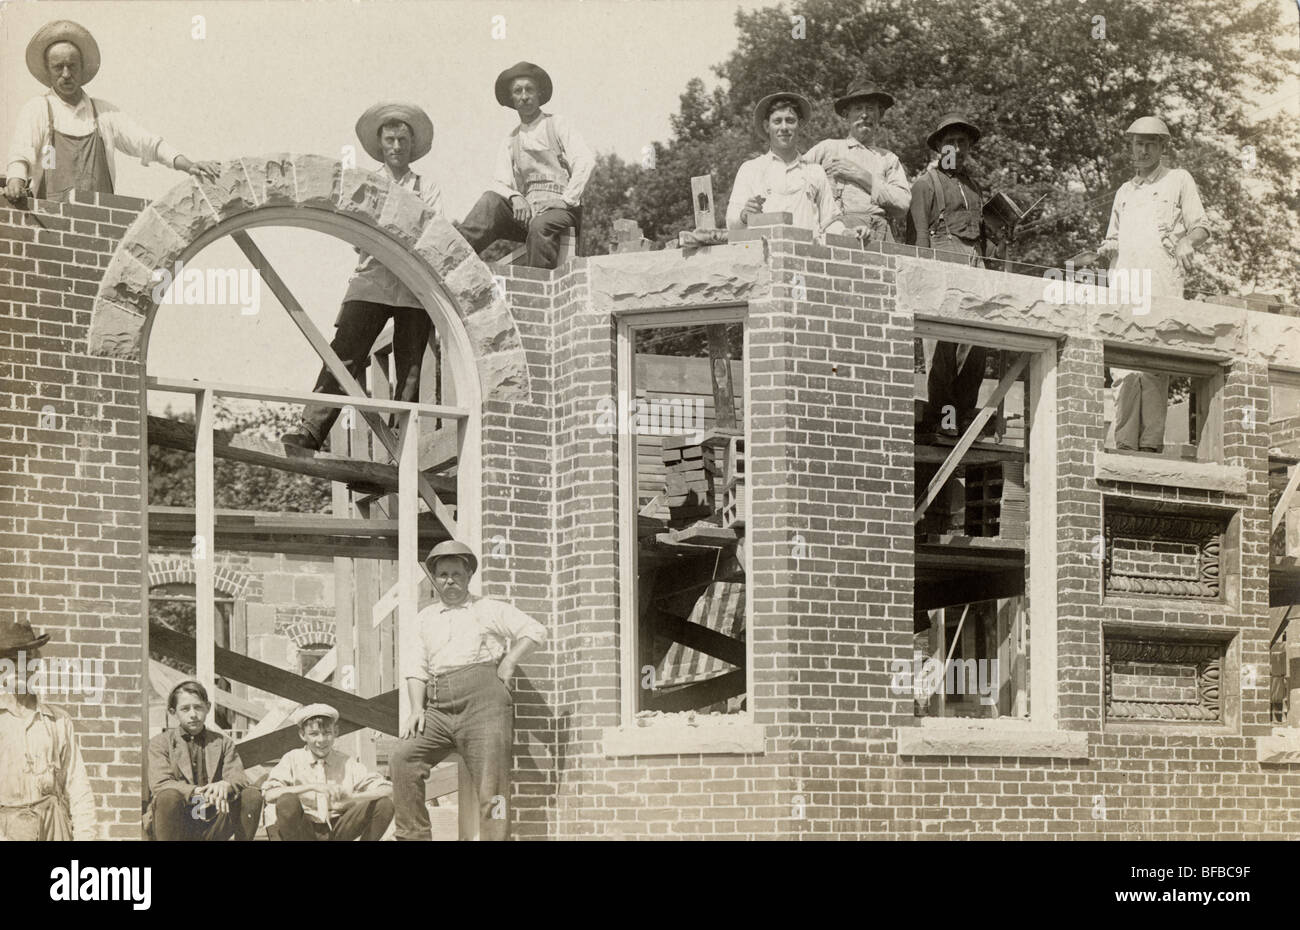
column 252, row 522
column 205, row 540
column 275, row 680
column 164, row 678
column 225, row 389
column 724, row 395
column 253, row 450
column 968, row 438
column 337, row 368
column 1284, row 502
column 969, row 590
column 702, row 639
column 701, row 694
column 408, row 559
column 268, row 746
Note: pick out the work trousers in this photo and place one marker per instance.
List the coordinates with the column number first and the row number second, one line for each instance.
column 1141, row 406
column 365, row 819
column 359, row 323
column 952, row 385
column 491, row 219
column 470, row 711
column 176, row 817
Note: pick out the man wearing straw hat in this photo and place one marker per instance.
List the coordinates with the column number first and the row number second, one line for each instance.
column 869, row 182
column 44, row 791
column 781, row 180
column 65, row 141
column 458, row 683
column 540, row 175
column 395, row 134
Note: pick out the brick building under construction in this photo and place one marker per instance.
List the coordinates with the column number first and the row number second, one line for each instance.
column 747, row 560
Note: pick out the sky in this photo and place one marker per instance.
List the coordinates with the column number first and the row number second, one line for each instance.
column 294, row 76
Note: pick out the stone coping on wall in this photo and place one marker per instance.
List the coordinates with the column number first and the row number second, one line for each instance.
column 949, row 736
column 1170, row 473
column 1282, row 747
column 686, row 734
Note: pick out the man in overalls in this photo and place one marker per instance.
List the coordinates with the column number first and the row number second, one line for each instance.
column 65, row 141
column 947, row 215
column 395, row 134
column 540, row 175
column 869, row 182
column 1156, row 224
column 44, row 791
column 458, row 683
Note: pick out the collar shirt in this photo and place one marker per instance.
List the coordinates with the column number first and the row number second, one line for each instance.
column 890, row 192
column 543, row 160
column 39, row 758
column 120, row 133
column 1150, row 214
column 799, row 188
column 301, row 767
column 480, row 630
column 373, row 282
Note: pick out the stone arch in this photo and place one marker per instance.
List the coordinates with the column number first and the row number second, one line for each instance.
column 229, row 581
column 361, row 207
column 305, row 634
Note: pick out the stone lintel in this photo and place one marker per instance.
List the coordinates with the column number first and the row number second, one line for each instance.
column 1009, row 738
column 1164, row 472
column 673, row 737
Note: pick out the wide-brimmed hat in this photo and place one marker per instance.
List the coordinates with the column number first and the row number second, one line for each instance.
column 17, row 635
column 452, row 547
column 801, row 105
column 374, row 118
column 863, row 91
column 949, row 120
column 62, row 30
column 1148, row 126
column 523, row 69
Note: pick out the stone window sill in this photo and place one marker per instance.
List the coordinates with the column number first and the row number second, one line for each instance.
column 678, row 738
column 1151, row 469
column 1022, row 738
column 1283, row 746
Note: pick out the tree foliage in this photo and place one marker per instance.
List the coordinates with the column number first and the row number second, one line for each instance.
column 1053, row 84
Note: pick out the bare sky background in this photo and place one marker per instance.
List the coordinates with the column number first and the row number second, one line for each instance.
column 294, row 76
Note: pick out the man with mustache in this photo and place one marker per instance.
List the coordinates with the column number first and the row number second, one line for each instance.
column 65, row 141
column 460, row 697
column 869, row 182
column 781, row 180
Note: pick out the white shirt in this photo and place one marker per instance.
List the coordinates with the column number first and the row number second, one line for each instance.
column 120, row 132
column 535, row 137
column 480, row 630
column 799, row 188
column 39, row 755
column 372, row 281
column 301, row 767
column 890, row 192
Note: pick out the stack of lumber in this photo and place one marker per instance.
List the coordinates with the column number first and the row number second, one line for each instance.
column 689, row 474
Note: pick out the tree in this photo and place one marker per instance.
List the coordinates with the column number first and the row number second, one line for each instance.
column 1052, row 84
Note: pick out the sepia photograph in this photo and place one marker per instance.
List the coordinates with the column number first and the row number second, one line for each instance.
column 858, row 420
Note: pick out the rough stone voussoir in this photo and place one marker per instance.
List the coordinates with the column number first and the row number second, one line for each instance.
column 471, row 285
column 152, row 241
column 271, row 177
column 492, row 329
column 442, row 247
column 404, row 215
column 129, row 282
column 362, row 194
column 504, row 376
column 186, row 210
column 232, row 193
column 115, row 331
column 316, row 180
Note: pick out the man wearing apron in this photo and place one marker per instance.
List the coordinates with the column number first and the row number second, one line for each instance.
column 869, row 182
column 540, row 175
column 458, row 683
column 946, row 215
column 44, row 791
column 1156, row 223
column 65, row 141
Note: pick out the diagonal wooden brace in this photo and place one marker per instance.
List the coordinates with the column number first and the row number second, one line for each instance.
column 338, row 370
column 968, row 438
column 1284, row 502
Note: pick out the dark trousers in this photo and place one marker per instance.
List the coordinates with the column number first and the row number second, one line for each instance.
column 365, row 819
column 491, row 219
column 468, row 710
column 177, row 818
column 949, row 387
column 359, row 324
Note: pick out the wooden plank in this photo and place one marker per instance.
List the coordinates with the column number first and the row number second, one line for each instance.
column 367, row 589
column 968, row 438
column 362, row 402
column 253, row 523
column 442, row 780
column 724, row 395
column 408, row 560
column 701, row 694
column 164, row 678
column 1284, row 502
column 702, row 202
column 701, row 639
column 276, row 680
column 702, row 535
column 337, row 368
column 344, row 595
column 953, row 592
column 205, row 540
column 253, row 450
